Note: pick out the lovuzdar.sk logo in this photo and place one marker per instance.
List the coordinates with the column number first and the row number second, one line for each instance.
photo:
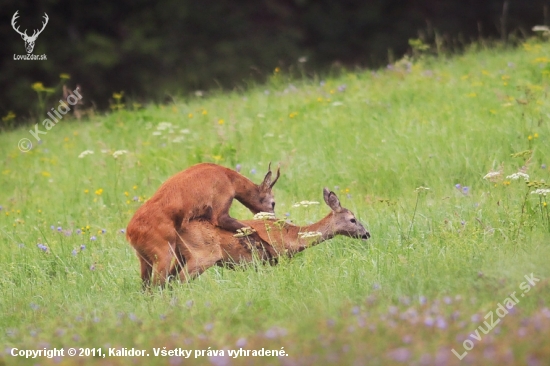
column 29, row 40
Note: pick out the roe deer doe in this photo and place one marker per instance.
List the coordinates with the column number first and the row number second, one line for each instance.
column 204, row 191
column 201, row 245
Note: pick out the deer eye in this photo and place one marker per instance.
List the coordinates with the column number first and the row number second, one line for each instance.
column 353, row 221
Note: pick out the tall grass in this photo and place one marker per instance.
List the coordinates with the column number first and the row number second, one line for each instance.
column 437, row 262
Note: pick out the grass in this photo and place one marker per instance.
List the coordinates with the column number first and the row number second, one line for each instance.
column 438, row 261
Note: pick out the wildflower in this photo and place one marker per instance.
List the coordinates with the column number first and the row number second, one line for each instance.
column 38, row 87
column 342, row 88
column 103, row 231
column 277, row 70
column 518, row 175
column 305, row 203
column 92, row 267
column 122, row 231
column 252, row 171
column 221, row 122
column 204, row 112
column 543, row 166
column 78, row 231
column 421, row 189
column 310, row 234
column 52, row 227
column 541, row 191
column 536, row 135
column 264, row 216
column 190, row 115
column 59, row 228
column 42, row 247
column 74, row 252
column 82, row 247
column 34, row 306
column 117, row 153
column 99, row 191
column 93, row 238
column 465, row 190
column 241, row 342
column 136, row 198
column 64, row 76
column 245, row 231
column 401, row 354
column 84, row 153
column 491, row 175
column 529, row 137
column 86, row 191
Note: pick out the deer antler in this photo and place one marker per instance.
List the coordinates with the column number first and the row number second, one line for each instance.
column 15, row 16
column 35, row 34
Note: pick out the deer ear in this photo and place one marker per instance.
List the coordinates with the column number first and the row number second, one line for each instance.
column 267, row 182
column 332, row 200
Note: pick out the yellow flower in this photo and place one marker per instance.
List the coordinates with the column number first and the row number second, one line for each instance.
column 99, row 191
column 66, row 139
column 46, row 174
column 134, row 188
column 38, row 87
column 319, row 99
column 126, row 194
column 118, row 96
column 190, row 115
column 277, row 70
column 217, row 157
column 331, row 91
column 8, row 116
column 86, row 191
column 529, row 137
column 64, row 76
column 293, row 114
column 544, row 204
column 39, row 211
column 221, row 122
column 471, row 95
column 535, row 135
column 204, row 112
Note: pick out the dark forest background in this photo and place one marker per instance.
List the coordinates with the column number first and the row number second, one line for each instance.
column 153, row 49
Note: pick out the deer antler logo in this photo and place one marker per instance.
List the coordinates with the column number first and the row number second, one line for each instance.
column 29, row 41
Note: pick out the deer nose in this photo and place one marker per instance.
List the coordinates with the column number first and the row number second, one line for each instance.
column 365, row 236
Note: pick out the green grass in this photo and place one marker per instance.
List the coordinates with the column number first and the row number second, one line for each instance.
column 411, row 293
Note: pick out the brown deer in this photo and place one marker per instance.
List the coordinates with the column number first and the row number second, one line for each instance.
column 204, row 191
column 201, row 245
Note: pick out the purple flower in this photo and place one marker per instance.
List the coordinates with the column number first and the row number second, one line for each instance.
column 429, row 321
column 103, row 231
column 458, row 186
column 252, row 171
column 238, row 168
column 42, row 247
column 1, row 208
column 422, row 300
column 82, row 247
column 441, row 323
column 122, row 231
column 208, row 327
column 59, row 228
column 241, row 342
column 287, row 214
column 136, row 198
column 78, row 231
column 465, row 190
column 34, row 306
column 92, row 267
column 400, row 354
column 93, row 238
column 342, row 88
column 52, row 227
column 543, row 166
column 74, row 252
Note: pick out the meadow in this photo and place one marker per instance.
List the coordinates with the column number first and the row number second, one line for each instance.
column 444, row 160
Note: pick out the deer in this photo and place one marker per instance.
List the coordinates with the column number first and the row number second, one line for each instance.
column 201, row 245
column 29, row 40
column 203, row 191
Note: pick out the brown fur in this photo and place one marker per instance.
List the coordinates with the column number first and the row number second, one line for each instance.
column 204, row 191
column 201, row 245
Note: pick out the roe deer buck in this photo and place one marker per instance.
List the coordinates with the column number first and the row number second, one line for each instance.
column 201, row 245
column 203, row 191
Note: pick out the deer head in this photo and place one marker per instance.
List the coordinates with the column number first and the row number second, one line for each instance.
column 29, row 40
column 342, row 220
column 266, row 197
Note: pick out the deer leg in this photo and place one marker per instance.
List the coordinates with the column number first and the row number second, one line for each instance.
column 228, row 223
column 146, row 271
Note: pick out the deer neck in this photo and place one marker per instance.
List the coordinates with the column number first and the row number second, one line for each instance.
column 244, row 188
column 324, row 226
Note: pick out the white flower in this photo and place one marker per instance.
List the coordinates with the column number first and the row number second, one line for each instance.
column 541, row 191
column 117, row 153
column 84, row 153
column 178, row 139
column 540, row 28
column 163, row 126
column 264, row 216
column 185, row 130
column 157, row 133
column 310, row 234
column 518, row 175
column 421, row 189
column 491, row 175
column 305, row 203
column 245, row 231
